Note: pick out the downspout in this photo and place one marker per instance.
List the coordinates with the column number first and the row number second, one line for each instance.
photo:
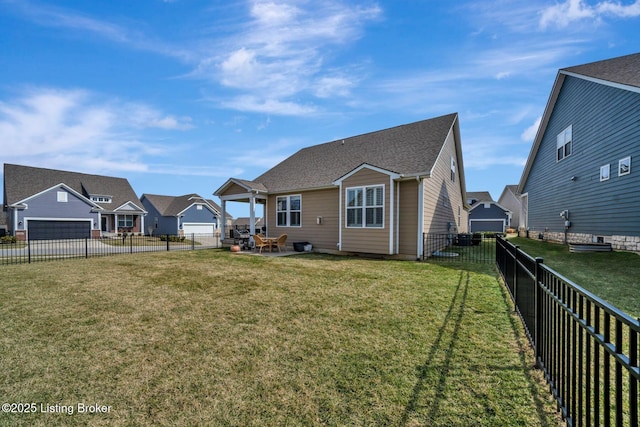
column 420, row 217
column 398, row 218
column 340, row 217
column 391, row 215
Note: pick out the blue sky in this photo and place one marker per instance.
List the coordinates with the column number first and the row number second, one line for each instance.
column 179, row 95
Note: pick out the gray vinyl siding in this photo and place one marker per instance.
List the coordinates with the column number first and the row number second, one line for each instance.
column 46, row 206
column 606, row 128
column 203, row 215
column 492, row 212
column 160, row 224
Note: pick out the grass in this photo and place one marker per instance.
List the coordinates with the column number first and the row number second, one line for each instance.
column 209, row 338
column 613, row 276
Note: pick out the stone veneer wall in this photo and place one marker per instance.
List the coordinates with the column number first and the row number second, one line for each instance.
column 620, row 243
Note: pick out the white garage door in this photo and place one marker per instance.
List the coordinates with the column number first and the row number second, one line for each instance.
column 197, row 228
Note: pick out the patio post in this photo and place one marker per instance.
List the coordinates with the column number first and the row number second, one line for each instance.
column 223, row 228
column 252, row 215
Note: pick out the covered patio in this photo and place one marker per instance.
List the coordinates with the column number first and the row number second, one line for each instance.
column 242, row 191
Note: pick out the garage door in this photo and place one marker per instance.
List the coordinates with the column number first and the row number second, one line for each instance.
column 53, row 230
column 495, row 226
column 197, row 228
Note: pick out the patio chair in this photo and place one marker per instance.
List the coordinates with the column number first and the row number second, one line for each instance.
column 281, row 243
column 260, row 243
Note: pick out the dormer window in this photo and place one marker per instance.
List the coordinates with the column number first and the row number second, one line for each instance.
column 101, row 199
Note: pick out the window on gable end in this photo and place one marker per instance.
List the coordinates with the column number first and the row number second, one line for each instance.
column 624, row 166
column 453, row 169
column 564, row 143
column 605, row 172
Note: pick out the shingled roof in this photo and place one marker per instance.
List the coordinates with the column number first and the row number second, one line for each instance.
column 623, row 70
column 410, row 149
column 22, row 182
column 174, row 205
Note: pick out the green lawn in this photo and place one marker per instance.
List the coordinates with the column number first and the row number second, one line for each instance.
column 210, row 338
column 613, row 276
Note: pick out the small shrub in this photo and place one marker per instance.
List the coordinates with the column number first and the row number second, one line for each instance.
column 8, row 240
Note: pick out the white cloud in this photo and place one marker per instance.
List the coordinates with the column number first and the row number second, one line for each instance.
column 282, row 54
column 563, row 14
column 268, row 106
column 530, row 133
column 72, row 129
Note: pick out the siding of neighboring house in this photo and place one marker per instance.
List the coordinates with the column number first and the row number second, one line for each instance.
column 510, row 201
column 600, row 136
column 443, row 199
column 159, row 224
column 367, row 239
column 408, row 218
column 202, row 215
column 318, row 203
column 46, row 206
column 491, row 218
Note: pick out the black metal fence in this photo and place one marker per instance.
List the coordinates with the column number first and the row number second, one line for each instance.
column 477, row 247
column 587, row 348
column 17, row 252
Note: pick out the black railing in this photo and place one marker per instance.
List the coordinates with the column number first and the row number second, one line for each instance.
column 20, row 252
column 587, row 348
column 475, row 247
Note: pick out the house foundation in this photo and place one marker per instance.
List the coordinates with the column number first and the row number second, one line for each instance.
column 618, row 243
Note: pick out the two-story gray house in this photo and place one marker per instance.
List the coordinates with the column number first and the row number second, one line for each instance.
column 45, row 204
column 579, row 183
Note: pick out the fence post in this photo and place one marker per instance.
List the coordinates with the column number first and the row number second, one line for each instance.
column 537, row 334
column 167, row 236
column 86, row 247
column 29, row 251
column 193, row 241
column 131, row 243
column 516, row 249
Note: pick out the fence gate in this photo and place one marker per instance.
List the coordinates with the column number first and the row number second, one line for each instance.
column 477, row 247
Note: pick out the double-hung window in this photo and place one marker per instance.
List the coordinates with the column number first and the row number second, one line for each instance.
column 365, row 207
column 289, row 211
column 563, row 144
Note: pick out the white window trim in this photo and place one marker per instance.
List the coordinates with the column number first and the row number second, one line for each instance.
column 288, row 211
column 626, row 159
column 607, row 168
column 364, row 206
column 564, row 143
column 123, row 218
column 62, row 197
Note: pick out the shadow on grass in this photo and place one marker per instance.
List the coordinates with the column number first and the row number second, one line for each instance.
column 424, row 369
column 455, row 315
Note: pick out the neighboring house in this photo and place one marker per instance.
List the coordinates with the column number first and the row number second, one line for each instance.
column 244, row 222
column 180, row 215
column 510, row 199
column 579, row 183
column 43, row 204
column 485, row 214
column 373, row 193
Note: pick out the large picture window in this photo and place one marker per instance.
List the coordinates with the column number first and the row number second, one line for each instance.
column 125, row 221
column 365, row 207
column 289, row 211
column 564, row 142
